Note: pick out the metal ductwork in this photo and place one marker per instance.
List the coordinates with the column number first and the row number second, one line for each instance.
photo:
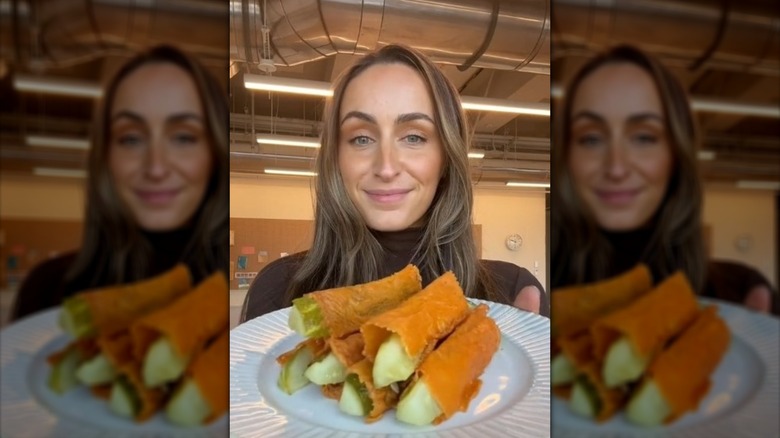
column 508, row 35
column 722, row 34
column 57, row 33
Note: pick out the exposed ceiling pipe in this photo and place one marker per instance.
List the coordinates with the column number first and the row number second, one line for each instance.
column 712, row 33
column 60, row 33
column 508, row 35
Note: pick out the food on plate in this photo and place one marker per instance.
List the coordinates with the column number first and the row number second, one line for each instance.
column 397, row 340
column 448, row 378
column 651, row 355
column 295, row 362
column 575, row 308
column 174, row 340
column 340, row 311
column 361, row 398
column 112, row 309
column 168, row 338
column 428, row 349
column 203, row 394
column 679, row 377
column 626, row 340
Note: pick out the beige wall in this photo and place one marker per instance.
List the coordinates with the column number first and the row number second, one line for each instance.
column 28, row 197
column 734, row 214
column 500, row 212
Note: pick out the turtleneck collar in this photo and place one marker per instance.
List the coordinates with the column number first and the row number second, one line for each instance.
column 399, row 242
column 628, row 246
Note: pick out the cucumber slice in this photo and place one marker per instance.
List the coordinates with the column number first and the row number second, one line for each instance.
column 124, row 401
column 327, row 371
column 63, row 373
column 563, row 370
column 292, row 377
column 96, row 371
column 306, row 318
column 392, row 364
column 187, row 406
column 76, row 319
column 585, row 399
column 355, row 399
column 162, row 364
column 417, row 406
column 648, row 407
column 622, row 364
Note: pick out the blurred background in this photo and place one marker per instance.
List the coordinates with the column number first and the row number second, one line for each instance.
column 727, row 55
column 55, row 57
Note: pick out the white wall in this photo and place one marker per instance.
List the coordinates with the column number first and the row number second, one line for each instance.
column 751, row 214
column 500, row 212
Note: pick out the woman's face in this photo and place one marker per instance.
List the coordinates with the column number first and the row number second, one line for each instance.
column 159, row 152
column 390, row 153
column 619, row 153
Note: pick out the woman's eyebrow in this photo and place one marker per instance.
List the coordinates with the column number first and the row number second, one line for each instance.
column 125, row 114
column 183, row 117
column 642, row 117
column 359, row 115
column 410, row 117
column 175, row 118
column 590, row 115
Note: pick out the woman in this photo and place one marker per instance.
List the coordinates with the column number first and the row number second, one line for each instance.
column 157, row 192
column 627, row 186
column 393, row 188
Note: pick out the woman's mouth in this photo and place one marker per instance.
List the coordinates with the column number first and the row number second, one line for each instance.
column 387, row 196
column 617, row 198
column 157, row 197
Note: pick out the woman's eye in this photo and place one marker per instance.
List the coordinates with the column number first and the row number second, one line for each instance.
column 589, row 140
column 129, row 140
column 185, row 138
column 414, row 139
column 361, row 140
column 645, row 139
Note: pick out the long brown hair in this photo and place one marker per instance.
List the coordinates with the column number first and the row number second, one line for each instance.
column 114, row 248
column 580, row 250
column 345, row 252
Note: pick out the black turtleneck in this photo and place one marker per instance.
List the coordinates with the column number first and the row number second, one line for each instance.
column 267, row 292
column 45, row 286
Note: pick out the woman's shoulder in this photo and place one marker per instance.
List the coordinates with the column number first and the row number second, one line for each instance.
column 43, row 286
column 510, row 279
column 267, row 291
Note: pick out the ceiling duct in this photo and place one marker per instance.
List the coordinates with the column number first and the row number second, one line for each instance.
column 721, row 34
column 58, row 33
column 507, row 35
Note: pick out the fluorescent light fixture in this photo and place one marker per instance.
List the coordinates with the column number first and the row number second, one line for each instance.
column 290, row 172
column 706, row 155
column 730, row 107
column 288, row 140
column 62, row 86
column 527, row 184
column 318, row 88
column 57, row 142
column 759, row 185
column 505, row 106
column 287, row 85
column 476, row 155
column 68, row 173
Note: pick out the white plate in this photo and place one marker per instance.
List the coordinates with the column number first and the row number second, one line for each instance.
column 28, row 408
column 514, row 399
column 742, row 402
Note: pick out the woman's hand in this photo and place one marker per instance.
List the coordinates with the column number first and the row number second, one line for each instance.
column 759, row 299
column 529, row 298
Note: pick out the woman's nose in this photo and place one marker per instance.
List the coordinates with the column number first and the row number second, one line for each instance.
column 617, row 162
column 156, row 165
column 386, row 164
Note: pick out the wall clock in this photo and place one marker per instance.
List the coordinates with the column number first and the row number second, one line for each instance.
column 514, row 242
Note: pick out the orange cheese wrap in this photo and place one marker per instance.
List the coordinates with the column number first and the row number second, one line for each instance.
column 575, row 308
column 317, row 346
column 650, row 321
column 114, row 308
column 382, row 399
column 452, row 370
column 611, row 400
column 87, row 349
column 118, row 348
column 151, row 398
column 348, row 350
column 210, row 373
column 189, row 322
column 578, row 348
column 419, row 321
column 345, row 309
column 682, row 372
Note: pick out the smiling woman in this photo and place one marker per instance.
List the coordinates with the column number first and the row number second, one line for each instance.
column 392, row 188
column 157, row 192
